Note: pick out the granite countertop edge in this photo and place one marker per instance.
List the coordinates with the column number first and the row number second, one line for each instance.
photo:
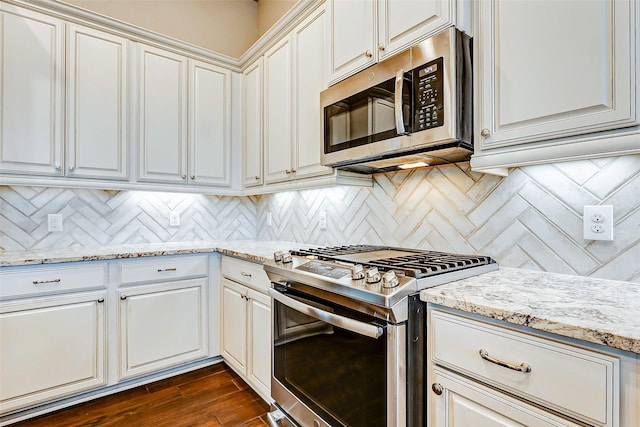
column 573, row 306
column 598, row 311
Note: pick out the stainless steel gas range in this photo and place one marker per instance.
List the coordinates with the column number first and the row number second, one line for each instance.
column 348, row 332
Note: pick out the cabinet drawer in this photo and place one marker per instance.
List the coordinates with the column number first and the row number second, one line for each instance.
column 248, row 273
column 54, row 278
column 573, row 381
column 163, row 268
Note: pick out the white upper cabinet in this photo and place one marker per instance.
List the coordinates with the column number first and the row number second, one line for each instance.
column 184, row 119
column 403, row 22
column 252, row 124
column 277, row 112
column 362, row 32
column 32, row 61
column 36, row 77
column 310, row 78
column 353, row 36
column 295, row 74
column 209, row 124
column 162, row 115
column 97, row 101
column 553, row 70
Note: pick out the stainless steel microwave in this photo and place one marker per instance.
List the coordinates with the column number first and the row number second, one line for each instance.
column 415, row 108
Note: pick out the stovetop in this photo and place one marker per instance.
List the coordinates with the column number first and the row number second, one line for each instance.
column 411, row 262
column 329, row 269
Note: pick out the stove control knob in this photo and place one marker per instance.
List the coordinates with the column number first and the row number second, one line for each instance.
column 277, row 256
column 390, row 280
column 286, row 258
column 357, row 272
column 372, row 275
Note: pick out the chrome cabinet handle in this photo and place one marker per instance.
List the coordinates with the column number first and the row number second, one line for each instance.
column 101, row 300
column 123, row 297
column 245, row 274
column 59, row 168
column 485, row 133
column 71, row 168
column 523, row 367
column 193, row 177
column 184, row 176
column 40, row 282
column 160, row 270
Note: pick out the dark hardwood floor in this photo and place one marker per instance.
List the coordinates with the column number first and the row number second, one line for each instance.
column 212, row 396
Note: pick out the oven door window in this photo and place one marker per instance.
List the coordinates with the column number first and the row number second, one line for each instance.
column 365, row 117
column 339, row 374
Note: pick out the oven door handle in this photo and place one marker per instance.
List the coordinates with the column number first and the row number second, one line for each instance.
column 355, row 326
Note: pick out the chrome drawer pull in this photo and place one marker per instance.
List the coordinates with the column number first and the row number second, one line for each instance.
column 523, row 367
column 160, row 270
column 39, row 282
column 245, row 274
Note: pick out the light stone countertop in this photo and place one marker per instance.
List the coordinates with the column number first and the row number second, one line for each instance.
column 599, row 311
column 252, row 250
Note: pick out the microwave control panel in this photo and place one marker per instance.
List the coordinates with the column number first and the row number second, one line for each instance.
column 428, row 95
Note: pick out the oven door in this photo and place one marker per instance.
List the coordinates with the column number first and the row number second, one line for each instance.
column 333, row 366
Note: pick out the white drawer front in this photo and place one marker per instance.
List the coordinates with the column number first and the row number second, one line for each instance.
column 54, row 278
column 246, row 272
column 163, row 268
column 573, row 381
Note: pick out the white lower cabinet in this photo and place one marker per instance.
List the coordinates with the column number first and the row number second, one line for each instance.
column 162, row 323
column 246, row 323
column 482, row 373
column 51, row 346
column 463, row 404
column 161, row 326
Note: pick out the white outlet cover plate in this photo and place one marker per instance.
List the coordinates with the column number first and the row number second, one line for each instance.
column 604, row 215
column 174, row 219
column 54, row 222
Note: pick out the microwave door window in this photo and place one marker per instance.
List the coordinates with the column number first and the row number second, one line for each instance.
column 360, row 119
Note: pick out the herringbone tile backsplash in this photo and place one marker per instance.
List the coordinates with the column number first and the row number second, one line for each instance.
column 530, row 219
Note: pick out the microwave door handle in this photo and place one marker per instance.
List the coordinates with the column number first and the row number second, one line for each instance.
column 351, row 325
column 398, row 103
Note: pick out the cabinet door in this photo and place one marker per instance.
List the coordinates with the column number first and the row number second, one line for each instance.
column 234, row 325
column 31, row 92
column 162, row 326
column 277, row 113
column 259, row 321
column 463, row 403
column 252, row 125
column 97, row 100
column 209, row 124
column 401, row 23
column 310, row 78
column 353, row 36
column 541, row 78
column 51, row 348
column 162, row 115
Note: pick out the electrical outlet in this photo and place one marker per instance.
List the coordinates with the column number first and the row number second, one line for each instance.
column 174, row 219
column 54, row 222
column 598, row 222
column 322, row 220
column 269, row 219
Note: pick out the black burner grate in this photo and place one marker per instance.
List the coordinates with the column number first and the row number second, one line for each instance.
column 418, row 265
